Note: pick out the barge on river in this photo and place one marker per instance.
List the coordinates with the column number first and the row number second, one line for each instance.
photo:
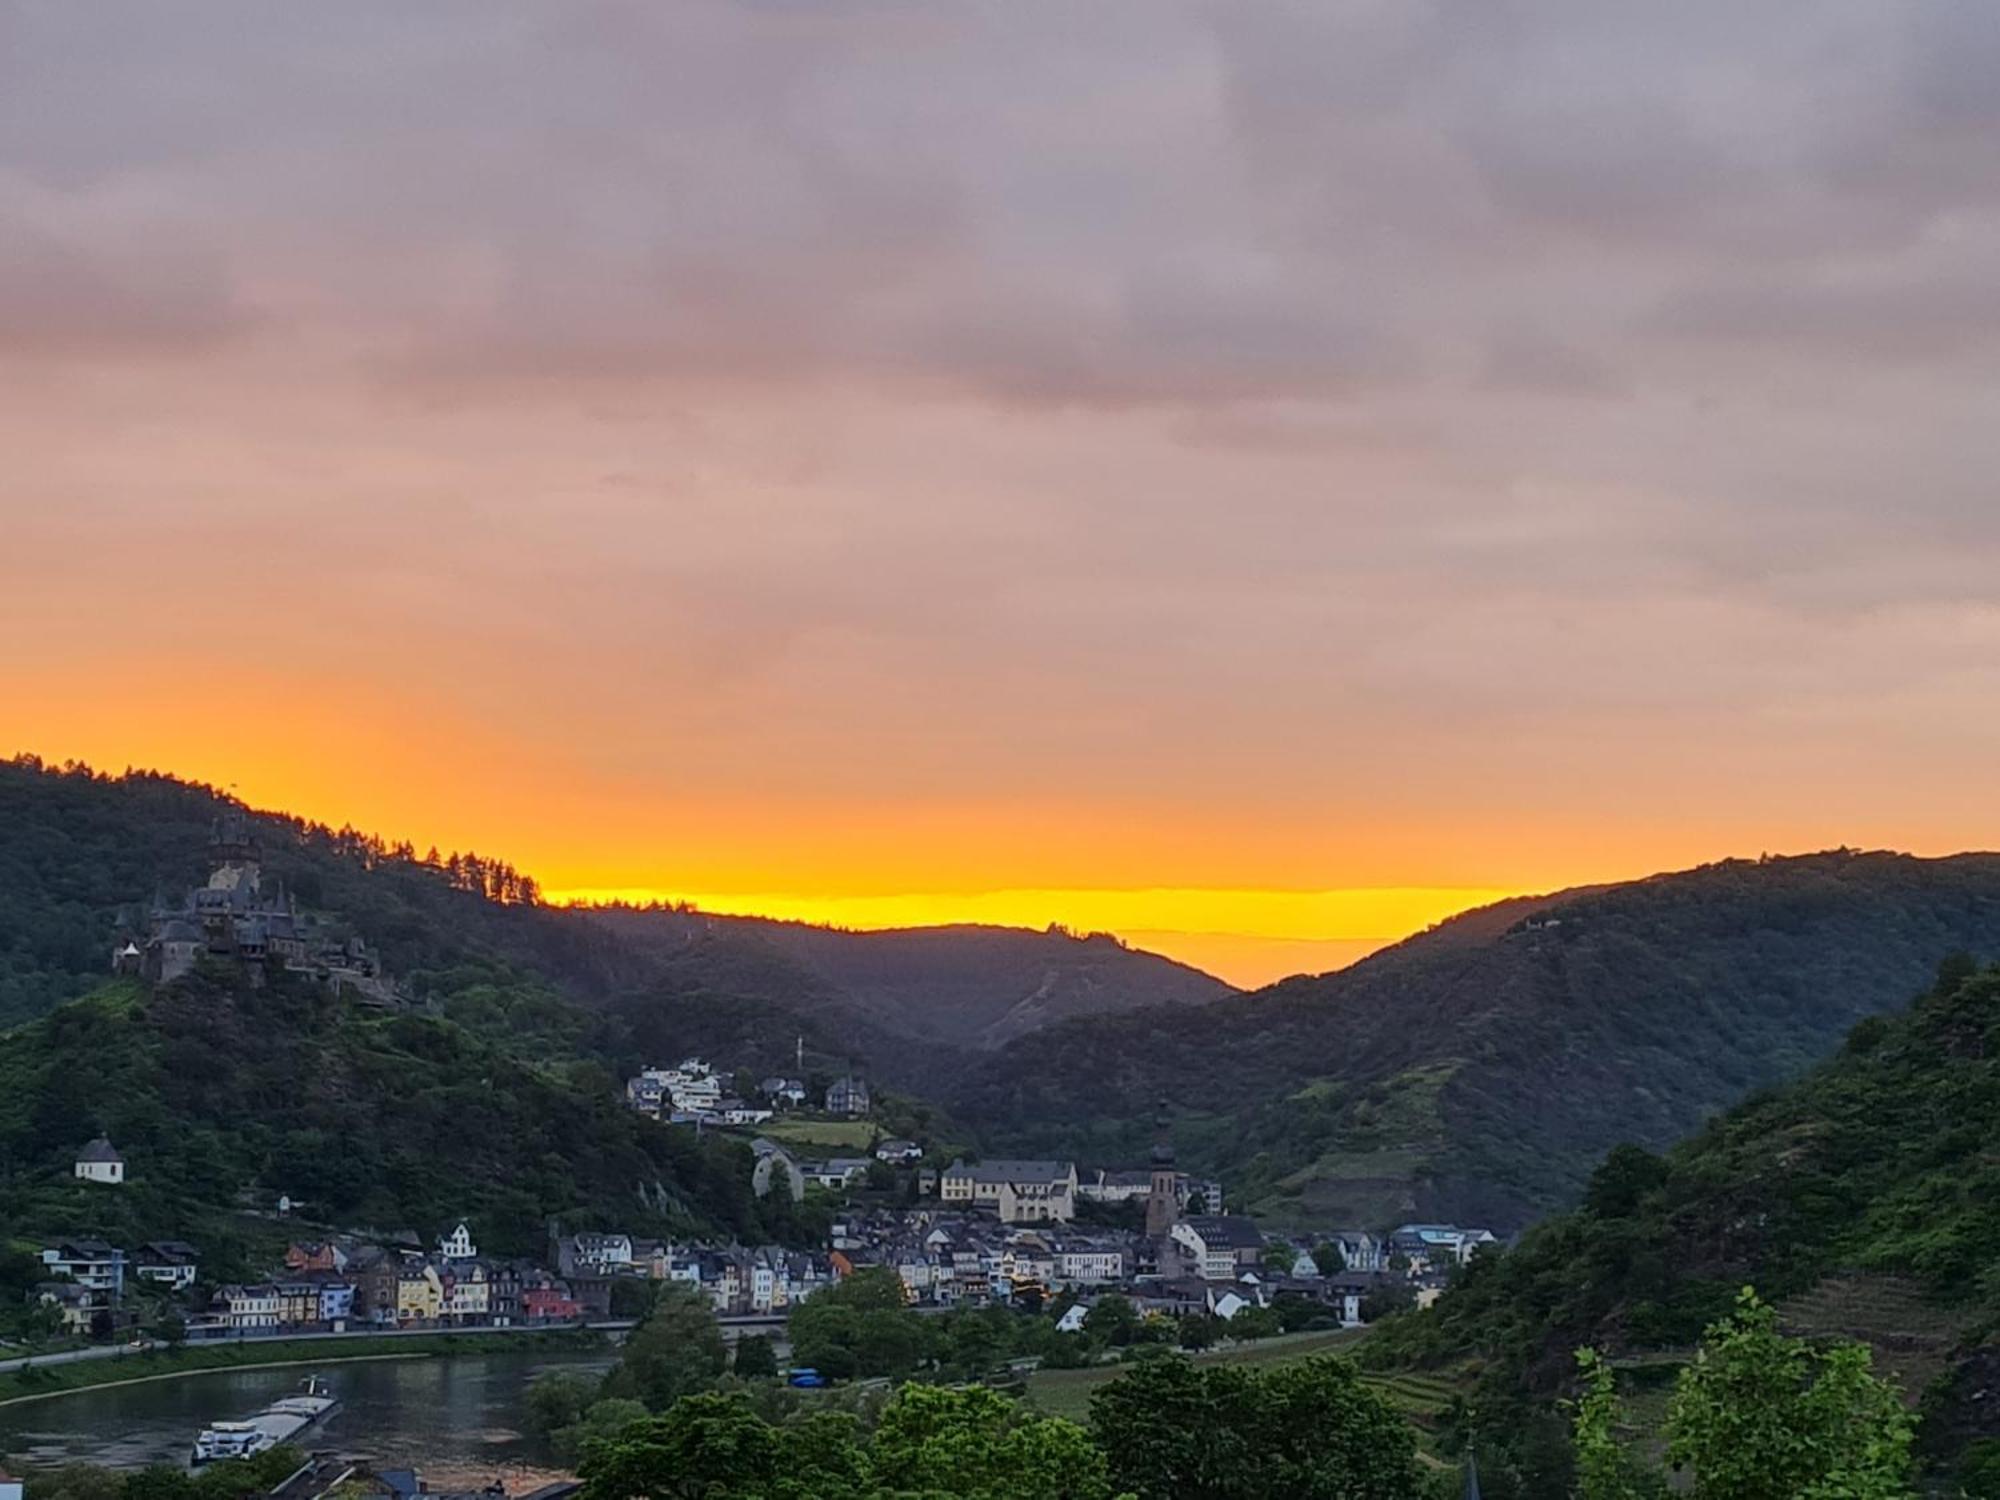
column 280, row 1422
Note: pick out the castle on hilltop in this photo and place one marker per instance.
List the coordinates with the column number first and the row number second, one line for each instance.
column 240, row 916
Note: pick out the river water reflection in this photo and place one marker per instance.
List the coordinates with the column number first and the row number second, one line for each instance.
column 462, row 1414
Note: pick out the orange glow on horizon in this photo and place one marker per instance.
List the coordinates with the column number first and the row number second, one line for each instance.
column 1247, row 937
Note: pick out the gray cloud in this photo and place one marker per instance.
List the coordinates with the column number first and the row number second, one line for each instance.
column 1171, row 347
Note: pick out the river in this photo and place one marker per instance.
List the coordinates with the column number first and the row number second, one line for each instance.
column 460, row 1415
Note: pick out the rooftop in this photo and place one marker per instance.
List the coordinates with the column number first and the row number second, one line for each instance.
column 100, row 1150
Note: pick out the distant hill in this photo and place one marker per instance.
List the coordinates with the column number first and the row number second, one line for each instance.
column 1864, row 1200
column 82, row 855
column 1478, row 1071
column 961, row 986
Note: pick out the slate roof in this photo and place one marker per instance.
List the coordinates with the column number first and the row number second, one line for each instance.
column 1226, row 1231
column 99, row 1150
column 1010, row 1171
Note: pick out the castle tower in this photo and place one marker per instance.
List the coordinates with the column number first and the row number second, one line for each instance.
column 233, row 856
column 1163, row 1207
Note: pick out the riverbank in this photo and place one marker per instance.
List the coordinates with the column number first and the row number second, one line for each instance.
column 41, row 1382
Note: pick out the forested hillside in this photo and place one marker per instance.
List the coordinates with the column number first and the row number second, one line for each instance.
column 223, row 1097
column 1478, row 1071
column 1865, row 1199
column 82, row 856
column 962, row 986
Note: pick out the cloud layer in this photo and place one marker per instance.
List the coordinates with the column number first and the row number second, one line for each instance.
column 1464, row 443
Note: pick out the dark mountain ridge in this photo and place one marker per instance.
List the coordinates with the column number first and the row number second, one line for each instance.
column 1477, row 1071
column 961, row 985
column 83, row 854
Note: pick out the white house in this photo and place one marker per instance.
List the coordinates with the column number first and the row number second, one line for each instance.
column 837, row 1172
column 171, row 1263
column 458, row 1244
column 10, row 1487
column 468, row 1296
column 1218, row 1246
column 248, row 1308
column 92, row 1264
column 604, row 1250
column 1088, row 1264
column 1227, row 1303
column 100, row 1162
column 1072, row 1320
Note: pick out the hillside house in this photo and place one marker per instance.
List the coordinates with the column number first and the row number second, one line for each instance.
column 74, row 1305
column 457, row 1245
column 593, row 1254
column 97, row 1267
column 100, row 1162
column 170, row 1263
column 848, row 1096
column 789, row 1092
column 315, row 1255
column 1429, row 1247
column 837, row 1172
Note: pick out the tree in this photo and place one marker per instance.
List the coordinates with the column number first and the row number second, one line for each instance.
column 1760, row 1416
column 714, row 1447
column 1604, row 1470
column 1627, row 1175
column 1200, row 1330
column 1173, row 1430
column 1328, row 1257
column 601, row 1421
column 973, row 1442
column 756, row 1359
column 159, row 1482
column 632, row 1297
column 1278, row 1256
column 1112, row 1320
column 1322, row 1435
column 558, row 1398
column 172, row 1330
column 79, row 1482
column 705, row 1447
column 678, row 1351
column 1387, row 1297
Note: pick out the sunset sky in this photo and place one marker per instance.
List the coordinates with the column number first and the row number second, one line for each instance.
column 1255, row 477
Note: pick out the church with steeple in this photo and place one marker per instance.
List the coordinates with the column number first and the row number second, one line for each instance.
column 1163, row 1206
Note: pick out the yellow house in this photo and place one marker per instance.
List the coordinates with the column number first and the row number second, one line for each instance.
column 419, row 1294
